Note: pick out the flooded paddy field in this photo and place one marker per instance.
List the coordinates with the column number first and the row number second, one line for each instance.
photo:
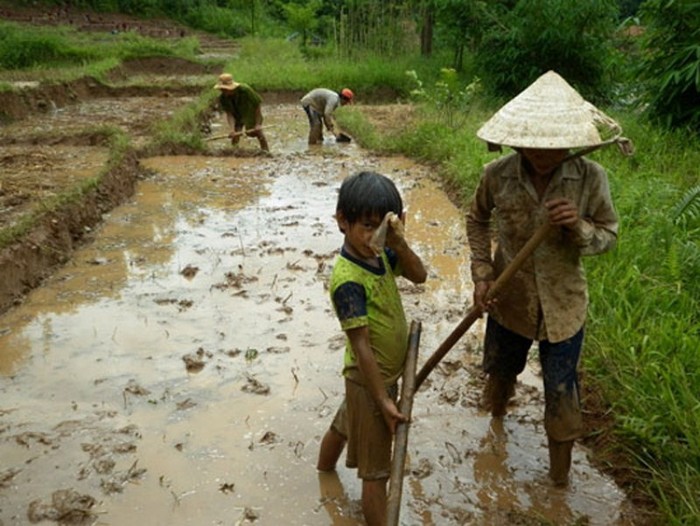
column 182, row 365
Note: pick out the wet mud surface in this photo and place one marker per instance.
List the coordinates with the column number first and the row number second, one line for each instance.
column 183, row 365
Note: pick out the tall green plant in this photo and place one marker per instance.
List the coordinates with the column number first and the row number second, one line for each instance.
column 670, row 67
column 302, row 18
column 571, row 38
column 448, row 98
column 383, row 27
column 461, row 26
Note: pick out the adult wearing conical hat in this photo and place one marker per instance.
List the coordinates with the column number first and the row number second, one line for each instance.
column 546, row 179
column 242, row 106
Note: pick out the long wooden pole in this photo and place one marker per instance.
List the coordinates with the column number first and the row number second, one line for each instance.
column 475, row 312
column 408, row 389
column 236, row 134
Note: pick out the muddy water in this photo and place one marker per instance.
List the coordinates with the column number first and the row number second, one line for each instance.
column 183, row 367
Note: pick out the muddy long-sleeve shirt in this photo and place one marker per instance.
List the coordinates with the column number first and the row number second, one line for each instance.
column 324, row 102
column 547, row 298
column 243, row 105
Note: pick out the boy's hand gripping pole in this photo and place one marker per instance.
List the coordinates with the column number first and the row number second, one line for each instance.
column 408, row 389
column 475, row 312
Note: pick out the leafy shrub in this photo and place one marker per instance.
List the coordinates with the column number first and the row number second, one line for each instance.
column 218, row 20
column 449, row 100
column 535, row 36
column 670, row 67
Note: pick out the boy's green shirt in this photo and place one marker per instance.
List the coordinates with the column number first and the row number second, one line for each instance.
column 367, row 296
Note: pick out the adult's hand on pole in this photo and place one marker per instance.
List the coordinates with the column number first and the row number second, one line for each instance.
column 562, row 212
column 474, row 313
column 481, row 299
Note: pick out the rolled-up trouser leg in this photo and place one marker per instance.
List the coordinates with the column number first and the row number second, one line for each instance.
column 562, row 414
column 315, row 125
column 505, row 355
column 497, row 393
column 237, row 138
column 259, row 133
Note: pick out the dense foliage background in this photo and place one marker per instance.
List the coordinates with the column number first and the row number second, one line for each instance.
column 506, row 43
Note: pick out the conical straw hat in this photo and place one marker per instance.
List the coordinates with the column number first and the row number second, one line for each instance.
column 549, row 114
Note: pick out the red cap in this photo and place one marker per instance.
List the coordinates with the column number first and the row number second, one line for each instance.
column 347, row 94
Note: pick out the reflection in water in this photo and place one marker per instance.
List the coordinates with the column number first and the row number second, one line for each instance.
column 335, row 501
column 490, row 469
column 502, row 496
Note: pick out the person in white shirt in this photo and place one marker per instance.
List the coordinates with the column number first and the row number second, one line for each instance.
column 319, row 105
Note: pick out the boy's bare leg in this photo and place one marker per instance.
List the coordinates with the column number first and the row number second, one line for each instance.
column 374, row 502
column 332, row 446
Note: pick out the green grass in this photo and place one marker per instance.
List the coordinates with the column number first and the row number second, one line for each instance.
column 63, row 53
column 275, row 64
column 182, row 128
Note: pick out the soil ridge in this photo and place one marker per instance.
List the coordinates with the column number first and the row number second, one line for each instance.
column 57, row 234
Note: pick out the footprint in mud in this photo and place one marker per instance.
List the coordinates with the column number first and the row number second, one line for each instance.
column 255, row 386
column 67, row 507
column 189, row 272
column 194, row 363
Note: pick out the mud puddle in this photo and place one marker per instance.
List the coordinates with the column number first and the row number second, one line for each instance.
column 181, row 369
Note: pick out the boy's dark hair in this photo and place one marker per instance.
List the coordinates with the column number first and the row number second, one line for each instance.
column 366, row 194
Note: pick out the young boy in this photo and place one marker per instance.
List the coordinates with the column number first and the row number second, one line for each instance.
column 546, row 300
column 367, row 302
column 242, row 106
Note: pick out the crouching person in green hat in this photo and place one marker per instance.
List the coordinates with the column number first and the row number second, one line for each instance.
column 545, row 180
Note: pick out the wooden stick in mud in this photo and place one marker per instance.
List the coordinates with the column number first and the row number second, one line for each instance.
column 236, row 134
column 475, row 312
column 408, row 389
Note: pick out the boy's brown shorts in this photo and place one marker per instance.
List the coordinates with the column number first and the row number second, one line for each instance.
column 369, row 438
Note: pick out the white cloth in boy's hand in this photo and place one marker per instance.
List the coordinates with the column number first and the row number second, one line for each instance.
column 378, row 240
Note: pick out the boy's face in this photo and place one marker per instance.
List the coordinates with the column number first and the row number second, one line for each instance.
column 359, row 234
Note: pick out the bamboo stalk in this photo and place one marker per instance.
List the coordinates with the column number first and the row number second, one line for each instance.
column 408, row 389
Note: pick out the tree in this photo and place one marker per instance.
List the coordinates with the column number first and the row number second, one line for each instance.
column 572, row 38
column 428, row 22
column 462, row 24
column 670, row 66
column 302, row 18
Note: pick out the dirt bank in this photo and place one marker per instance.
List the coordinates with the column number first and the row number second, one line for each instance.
column 52, row 239
column 47, row 184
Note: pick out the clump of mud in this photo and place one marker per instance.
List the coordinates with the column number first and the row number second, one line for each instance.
column 67, row 507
